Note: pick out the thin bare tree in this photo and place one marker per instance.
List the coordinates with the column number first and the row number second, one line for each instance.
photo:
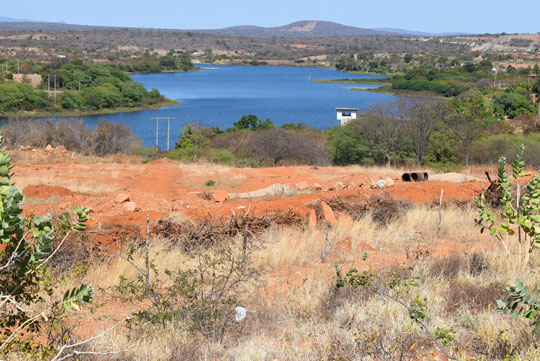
column 420, row 117
column 384, row 127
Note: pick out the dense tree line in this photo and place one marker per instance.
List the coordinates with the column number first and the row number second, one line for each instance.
column 16, row 96
column 80, row 87
column 444, row 134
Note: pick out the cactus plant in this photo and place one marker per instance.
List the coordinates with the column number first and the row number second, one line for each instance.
column 519, row 216
column 28, row 245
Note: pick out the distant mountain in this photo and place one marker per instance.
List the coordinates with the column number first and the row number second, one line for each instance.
column 300, row 28
column 405, row 32
column 416, row 33
column 4, row 19
column 305, row 28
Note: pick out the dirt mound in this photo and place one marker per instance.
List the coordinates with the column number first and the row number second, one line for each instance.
column 275, row 190
column 45, row 191
column 454, row 178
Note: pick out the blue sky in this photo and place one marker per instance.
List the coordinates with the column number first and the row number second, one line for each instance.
column 476, row 16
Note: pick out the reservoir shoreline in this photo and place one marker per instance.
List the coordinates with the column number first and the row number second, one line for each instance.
column 222, row 96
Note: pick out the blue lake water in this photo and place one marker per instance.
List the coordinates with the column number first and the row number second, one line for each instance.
column 221, row 95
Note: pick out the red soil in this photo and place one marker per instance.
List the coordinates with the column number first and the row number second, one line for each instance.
column 162, row 187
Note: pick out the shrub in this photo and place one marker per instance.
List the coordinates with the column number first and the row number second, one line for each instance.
column 28, row 246
column 345, row 148
column 147, row 154
column 221, row 156
column 438, row 87
column 106, row 138
column 489, row 150
column 518, row 222
column 180, row 154
column 112, row 138
column 284, row 147
column 270, row 147
column 513, row 104
column 200, row 299
column 396, row 287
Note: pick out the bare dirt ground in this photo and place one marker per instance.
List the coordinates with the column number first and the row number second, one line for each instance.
column 120, row 192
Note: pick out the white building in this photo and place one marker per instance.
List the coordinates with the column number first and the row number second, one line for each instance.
column 344, row 115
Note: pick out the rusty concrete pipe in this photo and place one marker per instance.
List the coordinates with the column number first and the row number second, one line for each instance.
column 415, row 177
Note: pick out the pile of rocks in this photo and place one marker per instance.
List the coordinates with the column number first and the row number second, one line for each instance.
column 128, row 205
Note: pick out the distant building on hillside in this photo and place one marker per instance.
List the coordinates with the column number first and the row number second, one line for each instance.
column 344, row 115
column 34, row 79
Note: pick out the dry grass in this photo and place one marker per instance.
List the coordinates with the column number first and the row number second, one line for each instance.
column 286, row 247
column 199, row 173
column 306, row 320
column 37, row 157
column 40, row 201
column 82, row 186
column 108, row 274
column 372, row 173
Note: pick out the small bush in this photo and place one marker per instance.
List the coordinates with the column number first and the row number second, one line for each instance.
column 198, row 299
column 221, row 156
column 180, row 154
column 146, row 154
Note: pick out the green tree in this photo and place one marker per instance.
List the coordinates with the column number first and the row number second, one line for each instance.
column 511, row 70
column 251, row 122
column 384, row 128
column 443, row 147
column 407, row 58
column 346, row 146
column 420, row 119
column 194, row 138
column 513, row 104
column 466, row 121
column 536, row 86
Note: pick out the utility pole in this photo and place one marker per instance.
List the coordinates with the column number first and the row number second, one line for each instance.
column 168, row 129
column 538, row 107
column 18, row 66
column 157, row 132
column 49, row 85
column 168, row 132
column 54, row 89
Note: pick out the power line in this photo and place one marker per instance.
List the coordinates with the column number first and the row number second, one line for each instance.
column 168, row 129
